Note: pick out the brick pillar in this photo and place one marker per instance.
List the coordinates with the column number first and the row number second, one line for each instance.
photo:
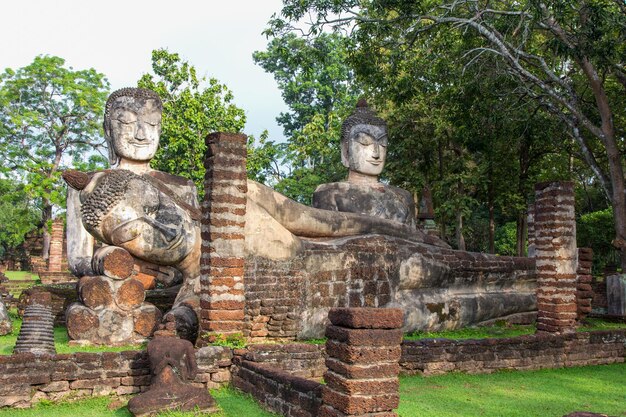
column 555, row 241
column 363, row 351
column 55, row 259
column 584, row 291
column 222, row 298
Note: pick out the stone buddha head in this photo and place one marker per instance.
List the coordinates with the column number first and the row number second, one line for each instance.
column 132, row 125
column 364, row 141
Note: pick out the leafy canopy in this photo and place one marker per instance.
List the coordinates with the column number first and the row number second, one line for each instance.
column 193, row 107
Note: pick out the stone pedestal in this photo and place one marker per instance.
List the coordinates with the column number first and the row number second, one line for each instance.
column 173, row 366
column 363, row 351
column 111, row 310
column 37, row 331
column 555, row 242
column 222, row 299
column 616, row 294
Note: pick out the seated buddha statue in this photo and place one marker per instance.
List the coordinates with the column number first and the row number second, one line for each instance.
column 363, row 152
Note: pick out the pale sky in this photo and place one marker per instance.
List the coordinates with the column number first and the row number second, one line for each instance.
column 116, row 37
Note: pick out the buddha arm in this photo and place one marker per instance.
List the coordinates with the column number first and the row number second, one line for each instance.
column 307, row 221
column 79, row 241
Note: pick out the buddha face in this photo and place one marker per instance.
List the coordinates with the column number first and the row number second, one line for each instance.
column 367, row 149
column 134, row 128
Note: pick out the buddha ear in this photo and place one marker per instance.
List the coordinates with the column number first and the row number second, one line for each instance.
column 345, row 160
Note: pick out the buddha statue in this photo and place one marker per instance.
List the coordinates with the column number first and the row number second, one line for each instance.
column 151, row 214
column 363, row 152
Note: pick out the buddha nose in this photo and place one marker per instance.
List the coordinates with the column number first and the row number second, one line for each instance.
column 376, row 153
column 141, row 132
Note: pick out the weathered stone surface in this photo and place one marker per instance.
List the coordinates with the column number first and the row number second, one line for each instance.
column 616, row 294
column 82, row 322
column 130, row 294
column 173, row 366
column 96, row 292
column 146, row 319
column 37, row 331
column 377, row 199
column 6, row 325
column 135, row 210
column 113, row 262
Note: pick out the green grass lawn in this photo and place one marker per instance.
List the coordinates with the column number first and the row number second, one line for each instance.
column 543, row 393
column 588, row 324
column 21, row 275
column 231, row 402
column 474, row 332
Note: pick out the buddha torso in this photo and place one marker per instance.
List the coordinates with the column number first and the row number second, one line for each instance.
column 376, row 200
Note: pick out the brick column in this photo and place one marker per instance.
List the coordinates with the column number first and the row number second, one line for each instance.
column 55, row 258
column 584, row 291
column 363, row 351
column 222, row 298
column 555, row 231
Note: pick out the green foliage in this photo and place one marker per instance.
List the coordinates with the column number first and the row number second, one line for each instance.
column 547, row 392
column 483, row 332
column 231, row 340
column 18, row 216
column 521, row 89
column 596, row 230
column 193, row 107
column 50, row 119
column 506, row 239
column 318, row 86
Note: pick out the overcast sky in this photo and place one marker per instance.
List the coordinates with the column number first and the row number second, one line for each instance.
column 116, row 37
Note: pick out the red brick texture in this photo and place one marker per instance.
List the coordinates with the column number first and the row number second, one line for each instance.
column 55, row 258
column 538, row 351
column 222, row 299
column 26, row 378
column 555, row 253
column 584, row 290
column 363, row 350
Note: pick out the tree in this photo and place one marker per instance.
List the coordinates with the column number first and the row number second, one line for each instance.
column 566, row 55
column 318, row 86
column 193, row 107
column 18, row 216
column 50, row 118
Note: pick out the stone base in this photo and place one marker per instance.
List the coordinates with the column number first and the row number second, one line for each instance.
column 178, row 397
column 438, row 288
column 111, row 312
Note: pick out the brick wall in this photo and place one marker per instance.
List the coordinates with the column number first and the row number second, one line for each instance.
column 278, row 390
column 437, row 356
column 300, row 359
column 26, row 378
column 291, row 298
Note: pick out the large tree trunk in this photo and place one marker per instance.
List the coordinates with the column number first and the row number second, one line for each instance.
column 520, row 245
column 618, row 199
